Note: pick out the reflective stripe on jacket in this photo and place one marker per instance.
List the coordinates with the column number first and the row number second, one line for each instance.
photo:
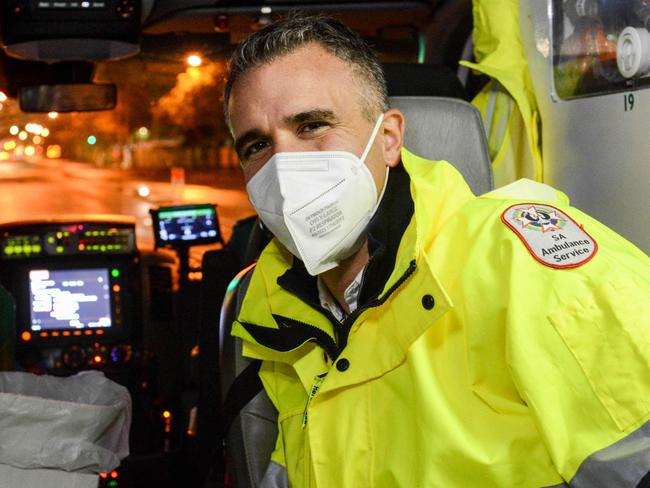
column 478, row 366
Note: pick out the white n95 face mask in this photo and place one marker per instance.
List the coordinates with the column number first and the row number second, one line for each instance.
column 318, row 204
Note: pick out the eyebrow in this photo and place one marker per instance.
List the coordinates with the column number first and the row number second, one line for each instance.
column 311, row 115
column 290, row 120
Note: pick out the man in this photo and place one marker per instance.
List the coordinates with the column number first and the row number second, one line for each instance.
column 412, row 334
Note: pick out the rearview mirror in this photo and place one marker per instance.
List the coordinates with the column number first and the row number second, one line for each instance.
column 69, row 97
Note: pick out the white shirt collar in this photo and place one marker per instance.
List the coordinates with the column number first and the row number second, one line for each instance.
column 350, row 295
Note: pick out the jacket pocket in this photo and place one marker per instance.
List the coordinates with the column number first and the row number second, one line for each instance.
column 608, row 333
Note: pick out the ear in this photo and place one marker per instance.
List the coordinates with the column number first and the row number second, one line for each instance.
column 393, row 132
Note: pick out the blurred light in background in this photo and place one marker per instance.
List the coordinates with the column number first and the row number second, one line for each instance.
column 34, row 128
column 53, row 151
column 144, row 191
column 194, row 60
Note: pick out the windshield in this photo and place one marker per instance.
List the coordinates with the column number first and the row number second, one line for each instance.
column 165, row 142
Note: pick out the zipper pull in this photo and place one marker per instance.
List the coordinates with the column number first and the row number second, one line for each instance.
column 318, row 380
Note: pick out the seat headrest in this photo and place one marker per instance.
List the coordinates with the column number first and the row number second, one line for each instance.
column 450, row 129
column 422, row 80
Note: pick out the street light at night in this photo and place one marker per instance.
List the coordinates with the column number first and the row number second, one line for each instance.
column 13, row 130
column 194, row 60
column 34, row 128
column 92, row 140
column 53, row 115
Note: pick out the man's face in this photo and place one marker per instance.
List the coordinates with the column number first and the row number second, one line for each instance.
column 305, row 101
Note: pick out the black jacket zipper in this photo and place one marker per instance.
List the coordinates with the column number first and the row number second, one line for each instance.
column 346, row 326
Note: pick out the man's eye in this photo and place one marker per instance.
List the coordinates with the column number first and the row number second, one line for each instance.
column 311, row 127
column 254, row 149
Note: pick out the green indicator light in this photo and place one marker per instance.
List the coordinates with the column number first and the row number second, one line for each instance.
column 115, row 273
column 103, row 248
column 59, row 249
column 27, row 249
column 112, row 484
column 36, row 248
column 18, row 249
column 51, row 240
column 9, row 250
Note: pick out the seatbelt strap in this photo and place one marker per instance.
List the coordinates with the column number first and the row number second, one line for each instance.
column 243, row 389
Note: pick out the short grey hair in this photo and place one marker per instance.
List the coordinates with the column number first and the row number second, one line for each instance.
column 288, row 35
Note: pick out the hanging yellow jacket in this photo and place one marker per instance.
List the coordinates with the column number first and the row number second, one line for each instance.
column 485, row 361
column 507, row 102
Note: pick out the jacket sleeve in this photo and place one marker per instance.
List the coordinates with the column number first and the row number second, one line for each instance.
column 583, row 365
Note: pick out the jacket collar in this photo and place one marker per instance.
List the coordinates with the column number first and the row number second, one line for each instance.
column 437, row 191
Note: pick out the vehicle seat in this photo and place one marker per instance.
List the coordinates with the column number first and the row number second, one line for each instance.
column 7, row 331
column 219, row 267
column 437, row 128
column 449, row 129
column 422, row 80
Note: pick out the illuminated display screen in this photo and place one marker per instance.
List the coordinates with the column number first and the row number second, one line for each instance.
column 69, row 299
column 187, row 224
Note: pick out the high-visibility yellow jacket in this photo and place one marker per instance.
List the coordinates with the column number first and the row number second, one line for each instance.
column 507, row 103
column 476, row 366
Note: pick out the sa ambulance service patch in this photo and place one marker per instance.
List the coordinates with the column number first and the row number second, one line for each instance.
column 551, row 236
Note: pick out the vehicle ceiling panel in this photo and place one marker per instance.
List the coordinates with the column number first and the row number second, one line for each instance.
column 198, row 16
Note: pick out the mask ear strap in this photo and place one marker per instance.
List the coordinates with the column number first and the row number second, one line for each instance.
column 383, row 190
column 372, row 138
